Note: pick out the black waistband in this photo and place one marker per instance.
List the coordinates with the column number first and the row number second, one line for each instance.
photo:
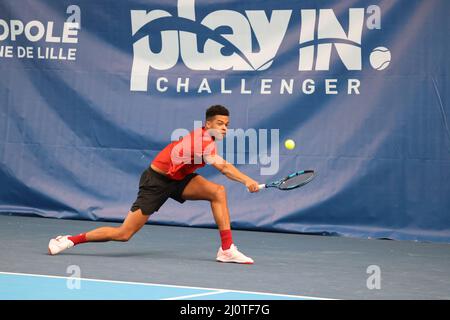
column 157, row 174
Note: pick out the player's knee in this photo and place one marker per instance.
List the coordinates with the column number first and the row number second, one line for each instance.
column 124, row 235
column 219, row 193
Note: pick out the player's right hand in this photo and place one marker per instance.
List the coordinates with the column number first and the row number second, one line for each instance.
column 252, row 185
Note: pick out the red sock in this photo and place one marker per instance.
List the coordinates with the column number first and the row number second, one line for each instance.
column 227, row 240
column 78, row 239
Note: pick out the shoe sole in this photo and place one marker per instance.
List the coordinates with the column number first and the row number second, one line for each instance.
column 234, row 262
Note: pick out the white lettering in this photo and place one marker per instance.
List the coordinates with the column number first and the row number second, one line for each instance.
column 266, row 85
column 40, row 30
column 70, row 32
column 204, row 86
column 222, row 87
column 183, row 84
column 158, row 84
column 308, row 86
column 330, row 86
column 353, row 85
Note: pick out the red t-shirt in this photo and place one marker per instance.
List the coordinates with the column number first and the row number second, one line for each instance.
column 183, row 157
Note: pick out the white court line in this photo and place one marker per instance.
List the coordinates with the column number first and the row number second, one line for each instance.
column 196, row 295
column 165, row 285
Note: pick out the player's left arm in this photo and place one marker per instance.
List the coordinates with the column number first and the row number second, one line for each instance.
column 231, row 172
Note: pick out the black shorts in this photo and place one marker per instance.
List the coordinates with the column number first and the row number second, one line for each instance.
column 155, row 189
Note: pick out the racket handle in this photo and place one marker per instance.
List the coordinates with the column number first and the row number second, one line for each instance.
column 260, row 186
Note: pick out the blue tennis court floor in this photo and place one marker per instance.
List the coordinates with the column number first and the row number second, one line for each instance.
column 20, row 286
column 165, row 262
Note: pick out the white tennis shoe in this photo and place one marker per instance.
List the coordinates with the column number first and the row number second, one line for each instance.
column 233, row 255
column 60, row 243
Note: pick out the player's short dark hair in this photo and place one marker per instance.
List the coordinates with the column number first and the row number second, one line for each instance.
column 216, row 110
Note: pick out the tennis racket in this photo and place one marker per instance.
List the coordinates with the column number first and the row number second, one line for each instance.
column 292, row 181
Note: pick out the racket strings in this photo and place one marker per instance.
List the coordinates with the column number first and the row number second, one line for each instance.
column 297, row 180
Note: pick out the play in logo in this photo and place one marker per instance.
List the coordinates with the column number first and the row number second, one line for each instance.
column 330, row 33
column 222, row 50
column 249, row 41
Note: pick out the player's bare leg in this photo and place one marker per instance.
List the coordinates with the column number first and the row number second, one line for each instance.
column 200, row 188
column 132, row 224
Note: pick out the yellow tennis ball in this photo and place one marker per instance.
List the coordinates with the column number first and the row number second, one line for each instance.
column 289, row 144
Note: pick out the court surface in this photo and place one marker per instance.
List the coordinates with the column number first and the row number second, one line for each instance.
column 164, row 262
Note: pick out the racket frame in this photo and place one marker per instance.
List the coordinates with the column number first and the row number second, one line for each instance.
column 276, row 184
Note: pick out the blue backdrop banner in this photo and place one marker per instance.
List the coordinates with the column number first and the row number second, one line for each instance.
column 91, row 91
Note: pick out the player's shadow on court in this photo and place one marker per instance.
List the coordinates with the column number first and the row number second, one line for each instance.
column 153, row 254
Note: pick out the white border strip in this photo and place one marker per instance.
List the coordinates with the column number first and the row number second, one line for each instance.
column 196, row 295
column 217, row 290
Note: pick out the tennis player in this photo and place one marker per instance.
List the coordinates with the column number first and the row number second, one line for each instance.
column 171, row 175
